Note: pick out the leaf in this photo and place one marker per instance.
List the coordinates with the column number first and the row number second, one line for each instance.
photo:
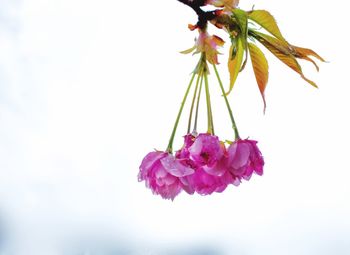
column 304, row 53
column 307, row 52
column 242, row 20
column 279, row 49
column 260, row 67
column 245, row 61
column 189, row 50
column 267, row 21
column 235, row 60
column 310, row 60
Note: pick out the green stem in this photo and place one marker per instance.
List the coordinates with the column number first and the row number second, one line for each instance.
column 234, row 126
column 197, row 106
column 209, row 112
column 171, row 140
column 193, row 102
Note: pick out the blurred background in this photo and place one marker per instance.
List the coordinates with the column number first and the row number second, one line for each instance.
column 88, row 88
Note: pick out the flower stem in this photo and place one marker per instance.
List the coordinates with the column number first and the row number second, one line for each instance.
column 234, row 126
column 207, row 94
column 197, row 106
column 193, row 102
column 171, row 140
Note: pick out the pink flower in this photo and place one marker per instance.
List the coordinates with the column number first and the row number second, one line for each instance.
column 207, row 155
column 205, row 184
column 244, row 158
column 206, row 44
column 162, row 172
column 184, row 153
column 206, row 150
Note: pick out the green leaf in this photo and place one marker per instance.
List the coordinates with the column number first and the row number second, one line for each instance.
column 235, row 60
column 260, row 67
column 242, row 20
column 267, row 21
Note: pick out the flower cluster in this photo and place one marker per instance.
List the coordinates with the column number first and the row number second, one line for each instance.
column 203, row 165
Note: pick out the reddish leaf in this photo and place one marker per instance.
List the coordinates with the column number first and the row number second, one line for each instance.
column 282, row 52
column 304, row 53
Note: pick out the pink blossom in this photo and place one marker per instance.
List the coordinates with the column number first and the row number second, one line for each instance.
column 244, row 158
column 207, row 44
column 205, row 184
column 207, row 155
column 206, row 150
column 161, row 173
column 183, row 153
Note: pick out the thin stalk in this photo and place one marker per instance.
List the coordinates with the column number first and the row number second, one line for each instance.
column 197, row 106
column 234, row 126
column 207, row 94
column 171, row 140
column 193, row 102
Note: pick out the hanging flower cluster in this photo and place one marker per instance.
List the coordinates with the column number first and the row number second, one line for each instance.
column 203, row 165
column 206, row 164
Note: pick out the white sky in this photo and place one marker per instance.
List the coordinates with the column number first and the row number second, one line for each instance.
column 87, row 88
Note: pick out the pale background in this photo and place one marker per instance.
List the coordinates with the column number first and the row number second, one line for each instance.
column 87, row 88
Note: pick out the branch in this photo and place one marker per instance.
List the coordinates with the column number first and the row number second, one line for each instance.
column 203, row 17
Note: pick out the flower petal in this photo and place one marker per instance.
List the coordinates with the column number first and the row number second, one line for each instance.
column 174, row 167
column 240, row 154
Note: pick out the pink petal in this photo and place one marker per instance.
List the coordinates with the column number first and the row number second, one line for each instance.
column 169, row 179
column 174, row 167
column 218, row 169
column 241, row 155
column 170, row 192
column 150, row 159
column 160, row 172
column 186, row 185
column 196, row 147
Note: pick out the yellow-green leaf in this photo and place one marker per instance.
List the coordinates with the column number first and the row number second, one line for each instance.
column 260, row 67
column 267, row 21
column 188, row 50
column 235, row 60
column 278, row 48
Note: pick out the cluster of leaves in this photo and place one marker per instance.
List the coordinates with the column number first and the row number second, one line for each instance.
column 245, row 29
